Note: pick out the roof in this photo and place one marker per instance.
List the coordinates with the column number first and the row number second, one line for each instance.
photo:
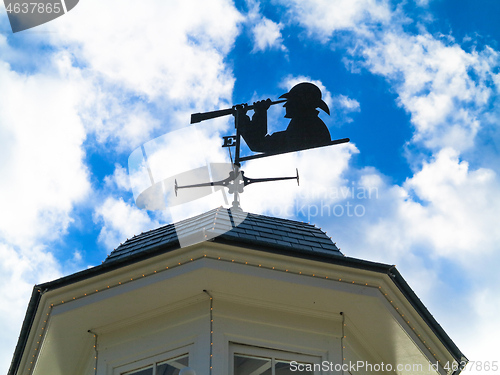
column 237, row 228
column 231, row 225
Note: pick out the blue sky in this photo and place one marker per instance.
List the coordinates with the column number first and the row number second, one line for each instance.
column 414, row 84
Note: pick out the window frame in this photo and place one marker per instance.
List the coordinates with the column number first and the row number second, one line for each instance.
column 273, row 354
column 153, row 361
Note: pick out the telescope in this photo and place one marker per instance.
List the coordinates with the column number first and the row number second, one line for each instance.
column 199, row 117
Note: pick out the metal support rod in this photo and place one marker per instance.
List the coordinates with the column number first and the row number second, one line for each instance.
column 236, row 200
column 238, row 137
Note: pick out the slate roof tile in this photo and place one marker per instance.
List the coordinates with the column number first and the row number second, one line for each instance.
column 248, row 236
column 251, row 231
column 309, row 243
column 269, row 235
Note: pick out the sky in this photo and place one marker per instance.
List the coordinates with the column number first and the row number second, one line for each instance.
column 414, row 84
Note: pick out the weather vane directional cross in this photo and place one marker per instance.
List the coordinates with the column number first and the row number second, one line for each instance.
column 305, row 131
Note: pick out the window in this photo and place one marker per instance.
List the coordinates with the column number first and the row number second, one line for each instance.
column 170, row 367
column 251, row 360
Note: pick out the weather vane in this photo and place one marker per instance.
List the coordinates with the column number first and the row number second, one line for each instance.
column 305, row 131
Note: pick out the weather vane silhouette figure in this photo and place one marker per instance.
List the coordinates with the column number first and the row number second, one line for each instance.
column 305, row 130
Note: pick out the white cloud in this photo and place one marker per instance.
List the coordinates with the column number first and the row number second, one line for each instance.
column 116, row 117
column 119, row 179
column 323, row 17
column 265, row 32
column 77, row 256
column 348, row 103
column 42, row 139
column 120, row 221
column 172, row 50
column 445, row 89
column 341, row 107
column 459, row 210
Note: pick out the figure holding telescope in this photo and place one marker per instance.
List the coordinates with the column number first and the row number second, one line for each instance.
column 305, row 130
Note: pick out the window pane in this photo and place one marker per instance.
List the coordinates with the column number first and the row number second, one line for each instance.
column 172, row 366
column 283, row 368
column 248, row 365
column 143, row 371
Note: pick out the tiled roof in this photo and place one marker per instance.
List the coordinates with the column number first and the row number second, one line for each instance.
column 230, row 226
